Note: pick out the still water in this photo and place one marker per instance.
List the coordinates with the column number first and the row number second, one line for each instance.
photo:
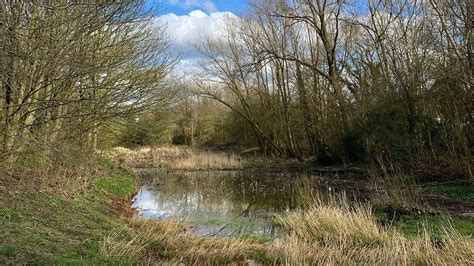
column 223, row 203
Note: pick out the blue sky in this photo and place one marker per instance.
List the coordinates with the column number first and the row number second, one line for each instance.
column 183, row 7
column 189, row 22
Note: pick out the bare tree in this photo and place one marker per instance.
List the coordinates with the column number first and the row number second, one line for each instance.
column 68, row 68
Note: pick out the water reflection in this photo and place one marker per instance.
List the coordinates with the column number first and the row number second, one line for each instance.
column 224, row 203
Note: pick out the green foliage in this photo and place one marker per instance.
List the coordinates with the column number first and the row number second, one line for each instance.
column 379, row 131
column 413, row 226
column 179, row 138
column 32, row 158
column 7, row 250
column 355, row 147
column 463, row 191
column 147, row 130
column 203, row 122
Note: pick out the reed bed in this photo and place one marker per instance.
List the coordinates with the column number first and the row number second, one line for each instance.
column 336, row 232
column 176, row 158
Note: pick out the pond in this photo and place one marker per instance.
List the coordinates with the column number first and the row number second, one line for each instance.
column 230, row 203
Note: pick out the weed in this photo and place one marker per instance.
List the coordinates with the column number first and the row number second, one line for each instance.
column 414, row 226
column 330, row 231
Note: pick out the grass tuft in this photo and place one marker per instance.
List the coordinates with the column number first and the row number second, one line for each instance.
column 171, row 241
column 336, row 232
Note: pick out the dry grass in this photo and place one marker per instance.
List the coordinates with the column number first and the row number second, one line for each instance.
column 399, row 191
column 132, row 243
column 330, row 232
column 167, row 240
column 57, row 171
column 335, row 232
column 176, row 158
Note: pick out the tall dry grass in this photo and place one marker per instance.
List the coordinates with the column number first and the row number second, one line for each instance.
column 63, row 169
column 395, row 189
column 132, row 242
column 336, row 232
column 331, row 231
column 176, row 158
column 168, row 240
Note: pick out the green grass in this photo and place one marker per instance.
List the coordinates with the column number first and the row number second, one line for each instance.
column 413, row 226
column 215, row 221
column 122, row 189
column 257, row 237
column 42, row 228
column 261, row 162
column 462, row 192
column 31, row 158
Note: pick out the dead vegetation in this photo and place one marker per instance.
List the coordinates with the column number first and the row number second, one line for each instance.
column 335, row 232
column 169, row 241
column 176, row 158
column 330, row 232
column 60, row 170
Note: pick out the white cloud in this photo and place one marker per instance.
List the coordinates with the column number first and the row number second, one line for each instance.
column 187, row 31
column 206, row 5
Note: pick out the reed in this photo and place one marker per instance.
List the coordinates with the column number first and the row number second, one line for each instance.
column 176, row 158
column 337, row 232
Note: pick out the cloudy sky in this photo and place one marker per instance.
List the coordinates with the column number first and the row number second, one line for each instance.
column 183, row 7
column 189, row 21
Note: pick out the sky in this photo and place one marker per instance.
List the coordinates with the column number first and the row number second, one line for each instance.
column 189, row 21
column 183, row 7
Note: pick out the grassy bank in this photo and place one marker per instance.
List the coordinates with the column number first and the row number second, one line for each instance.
column 44, row 224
